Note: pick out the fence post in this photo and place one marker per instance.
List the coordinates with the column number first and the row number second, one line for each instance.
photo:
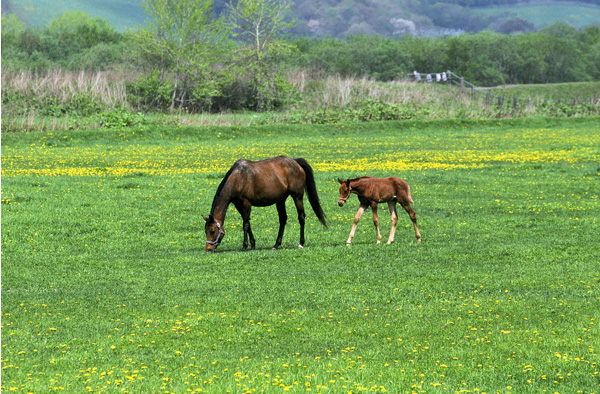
column 529, row 103
column 487, row 99
column 472, row 92
column 514, row 103
column 462, row 85
column 499, row 102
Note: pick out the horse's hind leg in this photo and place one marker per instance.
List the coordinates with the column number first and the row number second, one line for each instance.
column 394, row 215
column 413, row 217
column 282, row 221
column 361, row 210
column 301, row 218
column 376, row 220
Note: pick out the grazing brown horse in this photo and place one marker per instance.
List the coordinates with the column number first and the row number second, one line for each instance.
column 372, row 191
column 262, row 183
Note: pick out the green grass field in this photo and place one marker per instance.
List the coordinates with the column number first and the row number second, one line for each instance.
column 106, row 286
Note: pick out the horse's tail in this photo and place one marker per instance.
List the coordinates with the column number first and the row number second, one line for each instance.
column 311, row 189
column 410, row 195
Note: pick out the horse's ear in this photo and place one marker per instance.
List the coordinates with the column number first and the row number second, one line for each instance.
column 205, row 218
column 340, row 181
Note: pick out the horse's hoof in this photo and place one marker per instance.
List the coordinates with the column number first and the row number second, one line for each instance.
column 300, row 247
column 347, row 243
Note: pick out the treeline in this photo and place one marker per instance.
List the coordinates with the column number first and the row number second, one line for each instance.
column 559, row 53
column 227, row 70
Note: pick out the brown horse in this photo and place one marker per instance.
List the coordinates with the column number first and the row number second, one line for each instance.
column 262, row 183
column 372, row 191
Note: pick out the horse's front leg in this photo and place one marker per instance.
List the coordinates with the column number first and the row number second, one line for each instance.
column 376, row 220
column 282, row 221
column 394, row 215
column 245, row 208
column 361, row 210
column 248, row 234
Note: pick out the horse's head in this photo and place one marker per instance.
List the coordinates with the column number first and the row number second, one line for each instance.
column 344, row 191
column 214, row 233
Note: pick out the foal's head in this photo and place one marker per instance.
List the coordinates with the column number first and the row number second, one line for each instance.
column 344, row 191
column 214, row 233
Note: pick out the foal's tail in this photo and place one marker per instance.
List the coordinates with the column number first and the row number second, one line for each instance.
column 311, row 189
column 410, row 195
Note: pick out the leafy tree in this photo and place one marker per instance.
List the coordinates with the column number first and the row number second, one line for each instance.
column 12, row 28
column 479, row 58
column 58, row 45
column 180, row 45
column 258, row 25
column 73, row 32
column 427, row 54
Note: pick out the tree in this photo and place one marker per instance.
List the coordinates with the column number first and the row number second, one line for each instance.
column 180, row 44
column 75, row 31
column 258, row 25
column 12, row 28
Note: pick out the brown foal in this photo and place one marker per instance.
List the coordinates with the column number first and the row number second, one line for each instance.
column 372, row 191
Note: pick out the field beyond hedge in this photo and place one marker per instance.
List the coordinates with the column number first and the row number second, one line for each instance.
column 106, row 286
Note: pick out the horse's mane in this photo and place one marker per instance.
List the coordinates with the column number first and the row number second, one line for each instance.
column 222, row 184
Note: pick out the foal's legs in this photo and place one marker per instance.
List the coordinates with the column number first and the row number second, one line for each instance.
column 282, row 221
column 413, row 217
column 361, row 210
column 301, row 218
column 376, row 220
column 394, row 214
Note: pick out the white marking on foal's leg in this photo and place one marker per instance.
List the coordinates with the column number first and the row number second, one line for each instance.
column 360, row 212
column 376, row 223
column 394, row 215
column 300, row 247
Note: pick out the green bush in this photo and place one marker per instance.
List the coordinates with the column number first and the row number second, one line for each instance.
column 370, row 110
column 150, row 92
column 120, row 118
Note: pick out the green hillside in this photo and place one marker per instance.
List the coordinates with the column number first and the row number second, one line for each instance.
column 122, row 14
column 337, row 18
column 578, row 15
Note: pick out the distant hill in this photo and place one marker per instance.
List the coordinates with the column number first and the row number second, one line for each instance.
column 338, row 18
column 122, row 14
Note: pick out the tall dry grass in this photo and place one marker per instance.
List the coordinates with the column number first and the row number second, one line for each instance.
column 107, row 89
column 28, row 97
column 334, row 91
column 24, row 95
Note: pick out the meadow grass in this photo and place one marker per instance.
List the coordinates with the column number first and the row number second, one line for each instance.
column 559, row 91
column 106, row 286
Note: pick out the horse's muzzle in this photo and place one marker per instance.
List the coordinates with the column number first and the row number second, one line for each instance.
column 341, row 203
column 211, row 248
